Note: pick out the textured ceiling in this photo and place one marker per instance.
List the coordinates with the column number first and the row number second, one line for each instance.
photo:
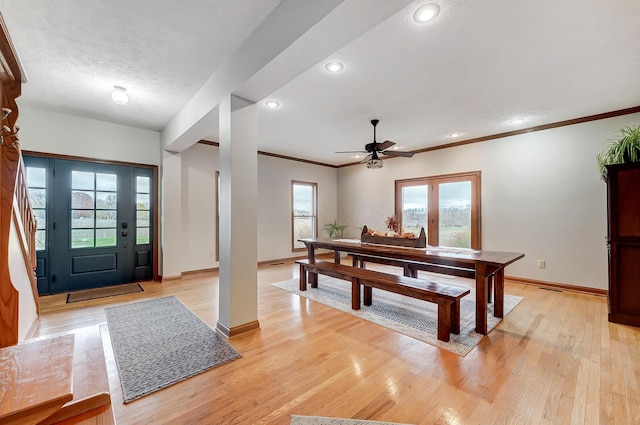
column 477, row 66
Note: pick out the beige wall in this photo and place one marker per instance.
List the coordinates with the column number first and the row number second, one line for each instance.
column 541, row 195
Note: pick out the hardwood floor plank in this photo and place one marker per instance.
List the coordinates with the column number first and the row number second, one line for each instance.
column 555, row 359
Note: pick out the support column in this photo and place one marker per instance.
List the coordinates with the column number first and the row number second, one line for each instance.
column 238, row 299
column 171, row 217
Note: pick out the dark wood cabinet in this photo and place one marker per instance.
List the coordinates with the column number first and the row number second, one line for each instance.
column 623, row 239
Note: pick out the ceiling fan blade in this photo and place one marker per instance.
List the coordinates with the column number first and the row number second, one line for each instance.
column 398, row 153
column 366, row 158
column 351, row 152
column 385, row 145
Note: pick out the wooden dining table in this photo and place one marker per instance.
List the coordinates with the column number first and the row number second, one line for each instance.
column 486, row 264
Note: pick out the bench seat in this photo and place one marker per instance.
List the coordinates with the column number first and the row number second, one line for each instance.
column 446, row 297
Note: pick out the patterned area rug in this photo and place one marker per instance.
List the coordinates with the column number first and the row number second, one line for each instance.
column 412, row 317
column 160, row 342
column 318, row 420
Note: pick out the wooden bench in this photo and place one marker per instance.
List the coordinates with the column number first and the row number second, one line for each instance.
column 410, row 268
column 447, row 297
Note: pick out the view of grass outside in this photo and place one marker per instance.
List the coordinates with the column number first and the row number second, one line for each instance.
column 304, row 212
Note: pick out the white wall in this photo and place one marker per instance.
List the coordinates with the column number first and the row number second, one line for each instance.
column 27, row 313
column 199, row 164
column 52, row 132
column 541, row 195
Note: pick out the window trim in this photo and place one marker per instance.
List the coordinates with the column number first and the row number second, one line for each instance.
column 433, row 208
column 315, row 212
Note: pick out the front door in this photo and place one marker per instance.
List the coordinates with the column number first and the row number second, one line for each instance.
column 97, row 224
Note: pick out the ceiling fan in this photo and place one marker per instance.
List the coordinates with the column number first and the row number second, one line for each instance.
column 374, row 148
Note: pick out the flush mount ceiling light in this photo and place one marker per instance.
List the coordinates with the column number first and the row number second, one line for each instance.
column 334, row 66
column 517, row 121
column 271, row 104
column 119, row 95
column 426, row 13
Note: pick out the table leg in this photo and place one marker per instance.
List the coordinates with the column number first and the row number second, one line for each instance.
column 498, row 304
column 313, row 277
column 481, row 298
column 336, row 256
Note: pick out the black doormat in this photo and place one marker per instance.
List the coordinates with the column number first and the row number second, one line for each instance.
column 110, row 291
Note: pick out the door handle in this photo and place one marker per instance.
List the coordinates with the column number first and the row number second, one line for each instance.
column 124, row 224
column 124, row 233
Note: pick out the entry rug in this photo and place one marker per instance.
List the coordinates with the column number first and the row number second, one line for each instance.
column 110, row 291
column 319, row 420
column 415, row 318
column 160, row 342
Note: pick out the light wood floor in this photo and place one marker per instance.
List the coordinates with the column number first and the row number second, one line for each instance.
column 554, row 360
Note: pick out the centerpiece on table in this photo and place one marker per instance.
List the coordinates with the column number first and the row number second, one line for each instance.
column 395, row 236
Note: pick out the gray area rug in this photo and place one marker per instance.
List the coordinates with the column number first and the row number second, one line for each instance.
column 160, row 342
column 319, row 420
column 412, row 317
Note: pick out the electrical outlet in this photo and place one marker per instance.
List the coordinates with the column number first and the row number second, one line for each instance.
column 542, row 264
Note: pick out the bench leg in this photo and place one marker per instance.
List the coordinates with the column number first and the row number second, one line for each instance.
column 444, row 321
column 407, row 270
column 355, row 293
column 455, row 317
column 313, row 279
column 368, row 295
column 354, row 260
column 303, row 277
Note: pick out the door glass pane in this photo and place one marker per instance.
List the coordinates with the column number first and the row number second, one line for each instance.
column 82, row 238
column 38, row 198
column 455, row 214
column 40, row 240
column 82, row 180
column 106, row 219
column 106, row 182
column 82, row 199
column 106, row 200
column 415, row 205
column 82, row 219
column 105, row 237
column 36, row 177
column 142, row 202
column 143, row 184
column 142, row 219
column 142, row 235
column 41, row 218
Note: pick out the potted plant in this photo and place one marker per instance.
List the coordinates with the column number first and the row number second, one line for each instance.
column 622, row 150
column 334, row 229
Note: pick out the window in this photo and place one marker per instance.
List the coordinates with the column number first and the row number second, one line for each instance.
column 94, row 201
column 448, row 207
column 37, row 184
column 303, row 212
column 143, row 209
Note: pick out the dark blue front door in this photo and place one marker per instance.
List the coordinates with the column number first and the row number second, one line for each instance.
column 96, row 225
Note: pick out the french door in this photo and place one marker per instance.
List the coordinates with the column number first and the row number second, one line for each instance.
column 447, row 207
column 94, row 223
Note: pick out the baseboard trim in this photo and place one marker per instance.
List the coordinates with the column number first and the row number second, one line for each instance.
column 560, row 286
column 237, row 330
column 201, row 271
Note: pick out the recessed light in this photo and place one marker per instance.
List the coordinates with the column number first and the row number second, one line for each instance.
column 426, row 13
column 119, row 95
column 455, row 135
column 271, row 104
column 334, row 66
column 517, row 121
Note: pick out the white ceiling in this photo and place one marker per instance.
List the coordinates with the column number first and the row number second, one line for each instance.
column 477, row 66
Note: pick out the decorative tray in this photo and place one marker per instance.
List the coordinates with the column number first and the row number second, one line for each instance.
column 420, row 242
